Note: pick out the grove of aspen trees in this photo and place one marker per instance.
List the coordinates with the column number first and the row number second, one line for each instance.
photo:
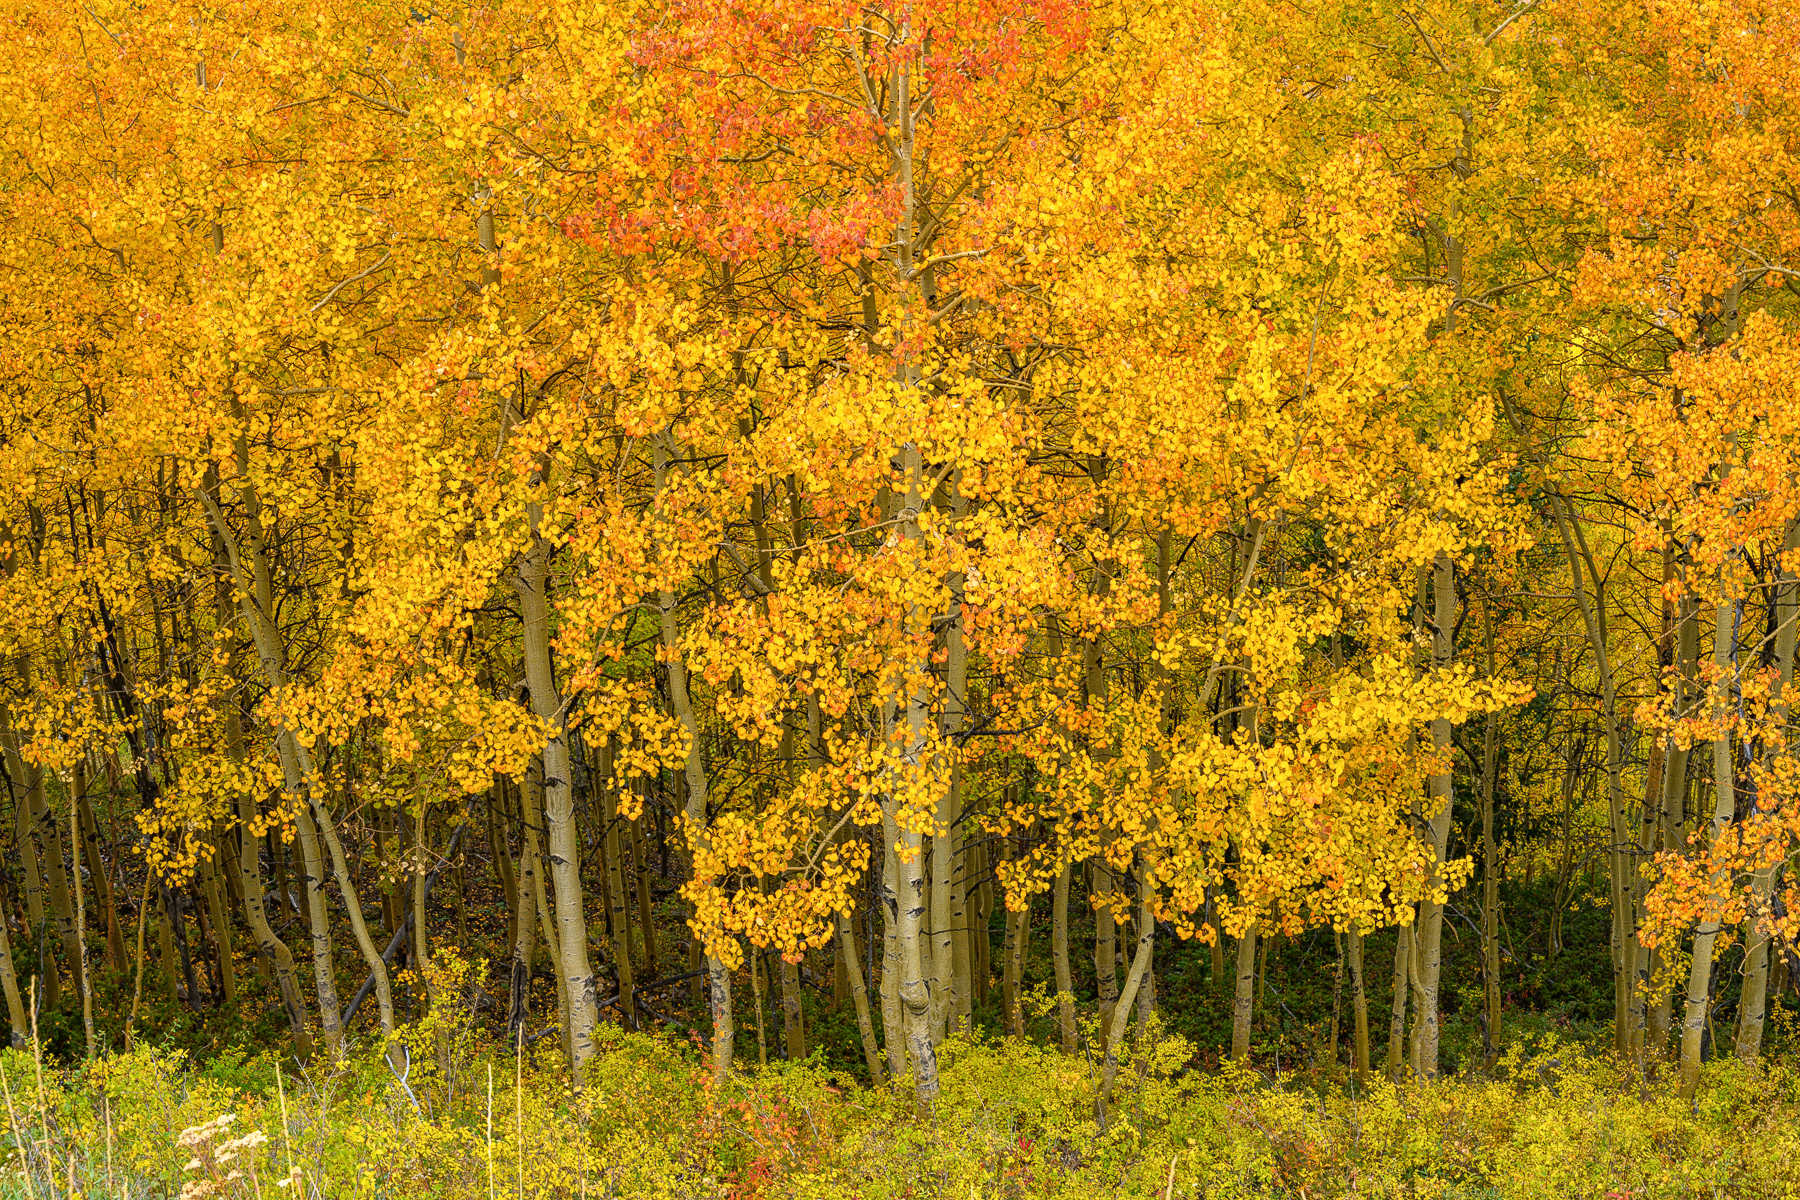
column 814, row 567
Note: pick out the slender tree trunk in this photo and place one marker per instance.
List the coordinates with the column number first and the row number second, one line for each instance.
column 1699, row 989
column 1270, row 951
column 1490, row 908
column 912, row 710
column 34, row 883
column 103, row 884
column 421, row 922
column 547, row 938
column 1397, row 1019
column 1114, row 1030
column 696, row 963
column 949, row 990
column 793, row 1022
column 893, row 1033
column 35, row 890
column 962, row 1001
column 1621, row 867
column 76, row 785
column 1106, row 944
column 1490, row 867
column 527, row 883
column 1675, row 790
column 1243, row 999
column 1673, row 817
column 859, row 995
column 1359, row 1007
column 166, row 958
column 359, row 928
column 915, row 1000
column 62, row 907
column 220, row 917
column 256, row 915
column 694, row 814
column 1146, row 993
column 1753, row 997
column 248, row 561
column 579, row 983
column 981, row 946
column 646, row 912
column 1430, row 928
column 312, row 866
column 1013, row 971
column 16, row 1015
column 756, row 1001
column 1334, row 1031
column 1059, row 953
column 500, row 850
column 618, row 910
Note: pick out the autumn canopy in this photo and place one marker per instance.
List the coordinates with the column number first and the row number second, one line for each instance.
column 810, row 485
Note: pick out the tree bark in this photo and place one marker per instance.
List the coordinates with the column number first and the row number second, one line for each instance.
column 617, row 906
column 527, row 883
column 1113, row 1035
column 1397, row 1018
column 365, row 942
column 793, row 1022
column 1359, row 1007
column 579, row 984
column 1699, row 988
column 1059, row 953
column 859, row 995
column 694, row 814
column 1430, row 929
column 1243, row 998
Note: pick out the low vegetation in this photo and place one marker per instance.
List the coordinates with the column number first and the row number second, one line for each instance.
column 1015, row 1120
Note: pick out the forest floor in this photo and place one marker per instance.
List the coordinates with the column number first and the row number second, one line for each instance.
column 1014, row 1120
column 210, row 1107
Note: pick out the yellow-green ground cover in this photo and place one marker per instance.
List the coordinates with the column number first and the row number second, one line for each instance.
column 1015, row 1121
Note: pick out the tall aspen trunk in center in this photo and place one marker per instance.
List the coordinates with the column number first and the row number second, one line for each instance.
column 250, row 881
column 1113, row 1031
column 296, row 784
column 1430, row 928
column 1490, row 878
column 1094, row 687
column 908, row 886
column 1699, row 987
column 564, row 847
column 1674, row 794
column 1626, row 1008
column 911, row 709
column 950, row 989
column 248, row 559
column 694, row 815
